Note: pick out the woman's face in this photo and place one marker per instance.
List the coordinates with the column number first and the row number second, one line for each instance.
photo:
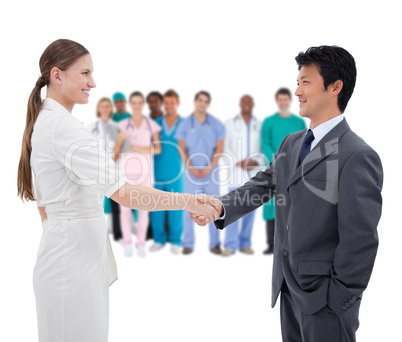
column 105, row 110
column 77, row 81
column 136, row 104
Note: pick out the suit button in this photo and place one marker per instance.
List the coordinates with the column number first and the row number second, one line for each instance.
column 351, row 301
column 344, row 307
column 285, row 253
column 354, row 298
column 287, row 227
column 347, row 305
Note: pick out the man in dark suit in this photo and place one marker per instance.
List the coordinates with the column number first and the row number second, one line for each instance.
column 327, row 185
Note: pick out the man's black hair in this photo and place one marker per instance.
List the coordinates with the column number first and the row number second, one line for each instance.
column 334, row 63
column 155, row 93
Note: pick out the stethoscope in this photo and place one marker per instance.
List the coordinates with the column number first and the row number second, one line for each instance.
column 206, row 121
column 238, row 119
column 131, row 126
column 95, row 130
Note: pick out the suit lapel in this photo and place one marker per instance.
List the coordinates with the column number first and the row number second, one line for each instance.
column 327, row 146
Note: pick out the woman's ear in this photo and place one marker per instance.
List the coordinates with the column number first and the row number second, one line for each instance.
column 55, row 75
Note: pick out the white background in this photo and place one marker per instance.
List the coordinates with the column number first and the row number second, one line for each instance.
column 228, row 48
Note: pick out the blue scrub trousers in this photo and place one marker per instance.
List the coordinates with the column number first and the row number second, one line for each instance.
column 210, row 188
column 175, row 217
column 235, row 239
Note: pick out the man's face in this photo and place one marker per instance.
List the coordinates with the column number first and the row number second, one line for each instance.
column 283, row 101
column 154, row 103
column 170, row 104
column 313, row 97
column 201, row 103
column 120, row 106
column 246, row 104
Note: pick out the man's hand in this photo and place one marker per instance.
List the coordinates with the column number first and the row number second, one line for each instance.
column 195, row 172
column 200, row 173
column 202, row 220
column 204, row 172
column 203, row 209
column 247, row 164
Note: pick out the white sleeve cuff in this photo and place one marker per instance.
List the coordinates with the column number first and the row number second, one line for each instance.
column 224, row 213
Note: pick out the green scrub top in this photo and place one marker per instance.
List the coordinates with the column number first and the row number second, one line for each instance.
column 274, row 129
column 117, row 117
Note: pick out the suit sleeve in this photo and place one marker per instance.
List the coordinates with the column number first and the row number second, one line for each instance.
column 359, row 211
column 251, row 195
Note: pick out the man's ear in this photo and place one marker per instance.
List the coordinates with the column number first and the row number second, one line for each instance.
column 55, row 75
column 337, row 87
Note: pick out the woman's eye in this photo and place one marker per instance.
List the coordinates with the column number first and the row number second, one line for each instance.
column 85, row 73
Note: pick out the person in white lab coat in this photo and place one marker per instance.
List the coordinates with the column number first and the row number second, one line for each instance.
column 105, row 131
column 71, row 173
column 243, row 154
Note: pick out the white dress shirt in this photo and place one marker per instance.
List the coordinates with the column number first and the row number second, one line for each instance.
column 322, row 130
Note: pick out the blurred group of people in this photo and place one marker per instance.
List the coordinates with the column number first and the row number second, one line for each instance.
column 188, row 154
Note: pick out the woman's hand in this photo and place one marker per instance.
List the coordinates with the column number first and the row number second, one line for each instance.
column 135, row 148
column 202, row 207
column 42, row 213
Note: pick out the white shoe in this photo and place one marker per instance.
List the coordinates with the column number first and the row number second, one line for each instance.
column 141, row 251
column 156, row 247
column 175, row 249
column 128, row 250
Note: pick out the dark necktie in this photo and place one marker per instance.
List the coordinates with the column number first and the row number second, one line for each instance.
column 306, row 147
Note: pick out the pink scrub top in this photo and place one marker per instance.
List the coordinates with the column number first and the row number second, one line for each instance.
column 138, row 166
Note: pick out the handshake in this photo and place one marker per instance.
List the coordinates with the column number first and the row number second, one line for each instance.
column 205, row 209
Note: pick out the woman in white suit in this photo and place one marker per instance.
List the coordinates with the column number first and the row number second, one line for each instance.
column 71, row 173
column 106, row 132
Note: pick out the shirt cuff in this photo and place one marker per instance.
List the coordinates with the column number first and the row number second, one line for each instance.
column 222, row 217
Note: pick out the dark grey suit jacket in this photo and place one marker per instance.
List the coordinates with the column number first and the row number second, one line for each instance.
column 327, row 211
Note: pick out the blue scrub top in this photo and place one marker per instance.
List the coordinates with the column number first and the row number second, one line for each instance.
column 168, row 164
column 200, row 139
